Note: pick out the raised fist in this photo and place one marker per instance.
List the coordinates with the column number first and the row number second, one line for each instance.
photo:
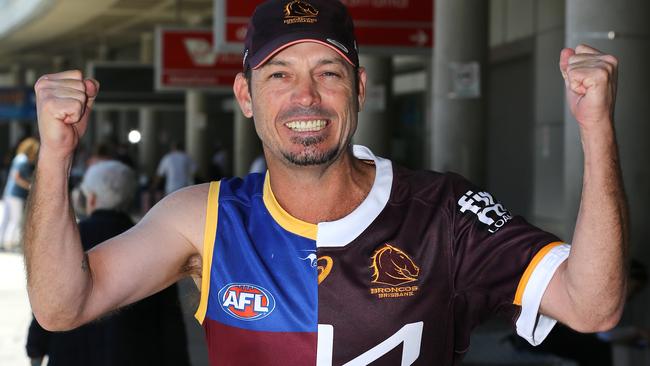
column 590, row 79
column 63, row 103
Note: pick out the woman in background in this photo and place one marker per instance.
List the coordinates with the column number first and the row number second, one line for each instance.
column 18, row 182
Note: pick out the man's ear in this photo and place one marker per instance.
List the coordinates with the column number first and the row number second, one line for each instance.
column 240, row 88
column 362, row 87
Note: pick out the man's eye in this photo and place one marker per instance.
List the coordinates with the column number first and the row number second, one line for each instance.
column 277, row 75
column 331, row 74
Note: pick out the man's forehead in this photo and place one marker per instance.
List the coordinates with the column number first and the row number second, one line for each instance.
column 312, row 51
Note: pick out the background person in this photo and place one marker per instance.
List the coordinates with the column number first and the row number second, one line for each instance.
column 148, row 332
column 177, row 168
column 15, row 193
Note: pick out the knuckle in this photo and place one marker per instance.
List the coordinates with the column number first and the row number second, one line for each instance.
column 76, row 74
column 612, row 60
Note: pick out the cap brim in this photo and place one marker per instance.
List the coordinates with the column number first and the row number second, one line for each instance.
column 272, row 48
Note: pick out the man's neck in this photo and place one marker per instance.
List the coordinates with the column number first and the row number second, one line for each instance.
column 319, row 194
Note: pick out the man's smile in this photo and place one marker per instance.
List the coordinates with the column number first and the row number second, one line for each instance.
column 307, row 126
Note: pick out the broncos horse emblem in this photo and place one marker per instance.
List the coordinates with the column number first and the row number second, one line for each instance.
column 299, row 8
column 393, row 267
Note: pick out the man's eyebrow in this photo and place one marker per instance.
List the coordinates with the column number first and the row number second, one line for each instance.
column 323, row 61
column 329, row 61
column 275, row 62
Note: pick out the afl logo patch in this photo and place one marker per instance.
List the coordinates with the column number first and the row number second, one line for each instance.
column 245, row 301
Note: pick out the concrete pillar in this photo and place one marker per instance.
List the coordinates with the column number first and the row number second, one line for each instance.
column 460, row 49
column 247, row 144
column 619, row 28
column 373, row 129
column 147, row 152
column 123, row 126
column 147, row 158
column 548, row 103
column 196, row 138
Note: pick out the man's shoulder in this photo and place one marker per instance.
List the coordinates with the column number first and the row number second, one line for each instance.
column 242, row 190
column 419, row 182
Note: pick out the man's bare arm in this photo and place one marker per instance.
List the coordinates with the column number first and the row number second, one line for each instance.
column 54, row 258
column 66, row 286
column 588, row 290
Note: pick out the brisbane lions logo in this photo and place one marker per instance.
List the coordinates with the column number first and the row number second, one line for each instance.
column 393, row 267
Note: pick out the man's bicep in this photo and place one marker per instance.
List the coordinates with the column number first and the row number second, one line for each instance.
column 147, row 258
column 555, row 301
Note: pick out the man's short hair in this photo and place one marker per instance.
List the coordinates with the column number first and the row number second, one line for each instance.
column 112, row 182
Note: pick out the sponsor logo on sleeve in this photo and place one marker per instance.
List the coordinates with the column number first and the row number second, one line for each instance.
column 394, row 273
column 482, row 204
column 246, row 302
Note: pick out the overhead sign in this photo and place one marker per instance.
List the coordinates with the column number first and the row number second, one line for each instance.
column 17, row 103
column 186, row 59
column 384, row 26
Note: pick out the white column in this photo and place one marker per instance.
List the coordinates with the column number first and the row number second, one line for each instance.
column 147, row 152
column 458, row 113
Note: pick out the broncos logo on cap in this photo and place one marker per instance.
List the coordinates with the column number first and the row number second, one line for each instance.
column 393, row 267
column 298, row 9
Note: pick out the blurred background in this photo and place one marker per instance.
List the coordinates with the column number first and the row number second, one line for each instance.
column 469, row 86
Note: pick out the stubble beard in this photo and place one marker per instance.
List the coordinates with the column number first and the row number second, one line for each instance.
column 310, row 155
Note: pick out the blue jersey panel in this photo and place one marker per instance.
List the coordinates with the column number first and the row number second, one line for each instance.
column 263, row 277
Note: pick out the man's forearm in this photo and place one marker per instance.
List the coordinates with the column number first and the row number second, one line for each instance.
column 58, row 275
column 596, row 267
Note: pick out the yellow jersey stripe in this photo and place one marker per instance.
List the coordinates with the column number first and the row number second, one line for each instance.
column 209, row 236
column 283, row 218
column 529, row 270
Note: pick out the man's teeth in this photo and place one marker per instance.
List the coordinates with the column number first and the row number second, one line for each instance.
column 307, row 126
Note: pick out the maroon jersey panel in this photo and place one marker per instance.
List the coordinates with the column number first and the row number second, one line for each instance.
column 237, row 346
column 440, row 257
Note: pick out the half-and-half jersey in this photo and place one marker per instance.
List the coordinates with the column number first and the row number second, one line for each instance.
column 401, row 280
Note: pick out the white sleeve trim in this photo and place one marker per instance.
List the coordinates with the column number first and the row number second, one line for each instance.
column 531, row 325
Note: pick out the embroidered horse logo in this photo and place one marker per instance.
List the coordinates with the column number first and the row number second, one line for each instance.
column 299, row 9
column 393, row 267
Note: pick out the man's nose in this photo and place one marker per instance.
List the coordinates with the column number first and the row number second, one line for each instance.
column 306, row 92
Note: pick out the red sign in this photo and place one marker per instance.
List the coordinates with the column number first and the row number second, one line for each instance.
column 404, row 24
column 186, row 59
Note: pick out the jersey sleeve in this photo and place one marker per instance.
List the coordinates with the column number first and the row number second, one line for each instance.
column 502, row 264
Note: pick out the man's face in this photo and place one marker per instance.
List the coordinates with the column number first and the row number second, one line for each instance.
column 305, row 104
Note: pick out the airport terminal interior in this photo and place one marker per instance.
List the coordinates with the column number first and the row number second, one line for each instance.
column 470, row 86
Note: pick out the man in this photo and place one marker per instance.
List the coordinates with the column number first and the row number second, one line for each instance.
column 177, row 168
column 335, row 256
column 148, row 332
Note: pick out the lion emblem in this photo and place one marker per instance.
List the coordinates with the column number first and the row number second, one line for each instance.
column 393, row 267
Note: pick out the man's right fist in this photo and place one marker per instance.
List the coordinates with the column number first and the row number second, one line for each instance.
column 63, row 104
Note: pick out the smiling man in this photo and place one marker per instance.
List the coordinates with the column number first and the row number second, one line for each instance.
column 335, row 255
